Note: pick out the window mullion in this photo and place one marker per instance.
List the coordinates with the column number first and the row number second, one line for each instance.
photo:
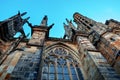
column 69, row 71
column 56, row 69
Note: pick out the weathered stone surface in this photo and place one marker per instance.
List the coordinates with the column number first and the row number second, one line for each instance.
column 109, row 46
column 9, row 65
column 85, row 43
column 37, row 38
column 114, row 25
column 94, row 64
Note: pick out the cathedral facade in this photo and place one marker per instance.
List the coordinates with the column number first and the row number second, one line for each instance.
column 90, row 51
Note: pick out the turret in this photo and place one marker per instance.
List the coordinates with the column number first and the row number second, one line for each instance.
column 102, row 38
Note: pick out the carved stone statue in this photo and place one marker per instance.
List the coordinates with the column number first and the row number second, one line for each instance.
column 68, row 31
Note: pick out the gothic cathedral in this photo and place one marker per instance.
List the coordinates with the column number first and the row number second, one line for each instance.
column 90, row 51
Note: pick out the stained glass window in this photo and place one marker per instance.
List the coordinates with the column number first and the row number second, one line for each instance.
column 60, row 65
column 59, row 69
column 44, row 76
column 74, row 77
column 66, row 77
column 51, row 68
column 72, row 70
column 60, row 76
column 65, row 69
column 51, row 76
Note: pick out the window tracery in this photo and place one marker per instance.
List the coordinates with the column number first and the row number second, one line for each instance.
column 60, row 65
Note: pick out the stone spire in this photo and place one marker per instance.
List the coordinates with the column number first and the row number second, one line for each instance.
column 44, row 21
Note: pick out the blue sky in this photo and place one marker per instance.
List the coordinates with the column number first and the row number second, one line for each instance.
column 58, row 10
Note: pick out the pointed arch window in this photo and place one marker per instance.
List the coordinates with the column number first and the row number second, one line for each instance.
column 60, row 65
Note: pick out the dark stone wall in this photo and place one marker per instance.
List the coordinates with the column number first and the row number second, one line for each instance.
column 27, row 67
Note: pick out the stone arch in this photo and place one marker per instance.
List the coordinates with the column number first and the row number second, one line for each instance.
column 65, row 61
column 62, row 45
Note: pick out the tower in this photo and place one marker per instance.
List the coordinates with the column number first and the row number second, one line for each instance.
column 103, row 38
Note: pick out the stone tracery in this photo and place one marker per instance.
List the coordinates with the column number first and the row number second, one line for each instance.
column 59, row 64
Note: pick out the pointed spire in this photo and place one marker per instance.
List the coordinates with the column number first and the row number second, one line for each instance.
column 44, row 21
